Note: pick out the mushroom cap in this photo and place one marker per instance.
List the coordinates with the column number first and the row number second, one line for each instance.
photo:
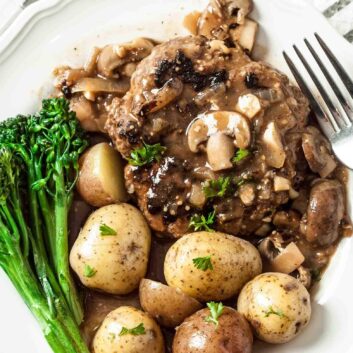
column 229, row 123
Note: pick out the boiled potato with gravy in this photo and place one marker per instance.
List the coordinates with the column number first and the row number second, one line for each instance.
column 211, row 266
column 277, row 306
column 101, row 178
column 128, row 330
column 169, row 306
column 112, row 249
column 228, row 333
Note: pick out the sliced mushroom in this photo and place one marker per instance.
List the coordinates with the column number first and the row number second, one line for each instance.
column 229, row 124
column 223, row 13
column 197, row 197
column 325, row 212
column 68, row 76
column 85, row 112
column 112, row 57
column 210, row 94
column 273, row 146
column 281, row 258
column 97, row 85
column 91, row 63
column 317, row 152
column 220, row 150
column 171, row 90
column 245, row 35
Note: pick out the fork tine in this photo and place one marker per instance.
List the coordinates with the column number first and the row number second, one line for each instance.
column 336, row 114
column 342, row 73
column 338, row 92
column 328, row 127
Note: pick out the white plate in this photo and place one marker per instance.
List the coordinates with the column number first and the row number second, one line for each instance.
column 53, row 32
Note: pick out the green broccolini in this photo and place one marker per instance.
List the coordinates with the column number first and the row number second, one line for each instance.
column 39, row 159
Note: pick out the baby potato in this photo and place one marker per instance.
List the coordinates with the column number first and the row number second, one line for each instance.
column 277, row 306
column 101, row 179
column 111, row 251
column 169, row 306
column 128, row 330
column 197, row 334
column 211, row 266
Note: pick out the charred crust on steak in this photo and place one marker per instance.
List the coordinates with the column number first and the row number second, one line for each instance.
column 183, row 68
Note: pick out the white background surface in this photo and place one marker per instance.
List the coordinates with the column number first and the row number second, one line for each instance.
column 49, row 39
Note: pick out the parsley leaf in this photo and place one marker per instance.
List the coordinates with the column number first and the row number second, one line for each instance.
column 216, row 188
column 277, row 312
column 203, row 263
column 240, row 155
column 239, row 181
column 89, row 271
column 216, row 310
column 200, row 222
column 146, row 154
column 136, row 331
column 106, row 230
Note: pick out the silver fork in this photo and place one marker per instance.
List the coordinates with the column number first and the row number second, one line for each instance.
column 337, row 127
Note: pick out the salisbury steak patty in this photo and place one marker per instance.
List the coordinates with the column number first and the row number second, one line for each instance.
column 206, row 103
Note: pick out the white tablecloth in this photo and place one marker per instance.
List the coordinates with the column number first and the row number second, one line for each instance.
column 338, row 12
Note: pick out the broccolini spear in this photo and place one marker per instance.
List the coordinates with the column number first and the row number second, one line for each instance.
column 18, row 248
column 57, row 141
column 49, row 144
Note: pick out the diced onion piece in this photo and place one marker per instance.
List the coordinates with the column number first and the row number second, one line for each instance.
column 90, row 84
column 281, row 184
column 293, row 194
column 288, row 260
column 249, row 105
column 248, row 34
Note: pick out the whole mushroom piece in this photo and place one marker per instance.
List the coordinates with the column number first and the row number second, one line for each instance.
column 113, row 57
column 325, row 212
column 222, row 131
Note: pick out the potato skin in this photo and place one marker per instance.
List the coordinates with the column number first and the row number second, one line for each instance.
column 232, row 335
column 169, row 306
column 235, row 262
column 120, row 261
column 280, row 293
column 107, row 339
column 101, row 178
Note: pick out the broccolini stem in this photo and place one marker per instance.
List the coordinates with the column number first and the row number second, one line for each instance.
column 46, row 211
column 61, row 210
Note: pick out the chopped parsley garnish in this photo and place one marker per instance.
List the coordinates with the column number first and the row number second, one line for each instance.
column 217, row 188
column 89, row 271
column 277, row 312
column 200, row 222
column 238, row 181
column 112, row 336
column 240, row 155
column 106, row 230
column 216, row 310
column 203, row 263
column 136, row 331
column 146, row 154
